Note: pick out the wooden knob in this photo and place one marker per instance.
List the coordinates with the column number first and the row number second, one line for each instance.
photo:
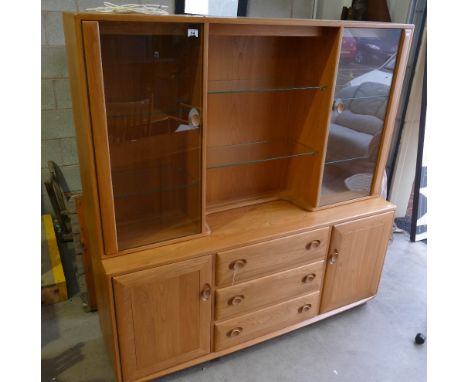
column 237, row 264
column 305, row 308
column 309, row 278
column 333, row 257
column 234, row 332
column 313, row 244
column 338, row 106
column 206, row 292
column 236, row 300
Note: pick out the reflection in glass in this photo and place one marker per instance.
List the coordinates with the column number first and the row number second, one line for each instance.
column 152, row 85
column 363, row 85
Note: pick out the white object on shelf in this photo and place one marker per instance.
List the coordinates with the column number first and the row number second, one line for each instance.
column 359, row 182
column 147, row 9
column 183, row 127
column 194, row 117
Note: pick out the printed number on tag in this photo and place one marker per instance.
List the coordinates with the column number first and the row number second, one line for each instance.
column 192, row 33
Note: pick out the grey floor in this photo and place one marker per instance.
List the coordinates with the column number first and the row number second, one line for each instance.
column 373, row 342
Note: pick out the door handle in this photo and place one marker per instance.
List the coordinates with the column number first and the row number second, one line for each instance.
column 205, row 293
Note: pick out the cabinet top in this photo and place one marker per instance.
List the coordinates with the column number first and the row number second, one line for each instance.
column 96, row 16
column 246, row 226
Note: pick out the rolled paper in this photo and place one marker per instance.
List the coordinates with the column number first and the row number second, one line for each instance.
column 194, row 117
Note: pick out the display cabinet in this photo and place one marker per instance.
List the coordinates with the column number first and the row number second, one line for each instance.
column 231, row 172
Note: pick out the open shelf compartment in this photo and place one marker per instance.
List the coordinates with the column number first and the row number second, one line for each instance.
column 269, row 97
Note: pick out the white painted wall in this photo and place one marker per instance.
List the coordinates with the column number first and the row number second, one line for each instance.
column 222, row 8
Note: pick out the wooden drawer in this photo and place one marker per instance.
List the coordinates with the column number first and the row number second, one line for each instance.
column 268, row 290
column 243, row 328
column 256, row 260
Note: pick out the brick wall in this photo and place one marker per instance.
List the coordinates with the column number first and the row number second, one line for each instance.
column 58, row 133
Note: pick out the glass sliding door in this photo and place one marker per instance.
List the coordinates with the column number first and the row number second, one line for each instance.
column 364, row 80
column 152, row 83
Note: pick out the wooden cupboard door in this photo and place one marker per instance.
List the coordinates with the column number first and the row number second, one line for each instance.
column 163, row 316
column 355, row 261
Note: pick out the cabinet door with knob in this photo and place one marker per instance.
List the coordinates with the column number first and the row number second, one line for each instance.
column 163, row 316
column 355, row 260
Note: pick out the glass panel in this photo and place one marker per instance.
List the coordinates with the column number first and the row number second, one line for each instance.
column 363, row 85
column 152, row 84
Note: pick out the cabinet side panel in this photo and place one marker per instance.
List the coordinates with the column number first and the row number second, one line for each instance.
column 92, row 57
column 304, row 180
column 79, row 94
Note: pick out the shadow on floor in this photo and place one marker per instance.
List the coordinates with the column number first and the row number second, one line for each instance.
column 49, row 324
column 51, row 368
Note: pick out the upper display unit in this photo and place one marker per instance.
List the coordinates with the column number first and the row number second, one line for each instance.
column 191, row 116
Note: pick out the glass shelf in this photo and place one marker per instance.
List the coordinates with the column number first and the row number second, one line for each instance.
column 255, row 152
column 344, row 160
column 366, row 97
column 157, row 189
column 257, row 86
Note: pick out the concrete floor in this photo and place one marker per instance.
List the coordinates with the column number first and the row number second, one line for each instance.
column 373, row 342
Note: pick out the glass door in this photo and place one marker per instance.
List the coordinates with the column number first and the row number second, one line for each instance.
column 364, row 80
column 152, row 91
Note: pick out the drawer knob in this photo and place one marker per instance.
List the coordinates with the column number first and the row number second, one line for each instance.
column 234, row 332
column 309, row 278
column 206, row 292
column 237, row 264
column 236, row 300
column 305, row 308
column 313, row 244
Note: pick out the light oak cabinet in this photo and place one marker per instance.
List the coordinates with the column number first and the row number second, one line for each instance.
column 231, row 172
column 164, row 316
column 355, row 260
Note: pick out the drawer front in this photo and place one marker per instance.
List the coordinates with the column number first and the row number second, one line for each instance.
column 256, row 260
column 268, row 290
column 249, row 326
